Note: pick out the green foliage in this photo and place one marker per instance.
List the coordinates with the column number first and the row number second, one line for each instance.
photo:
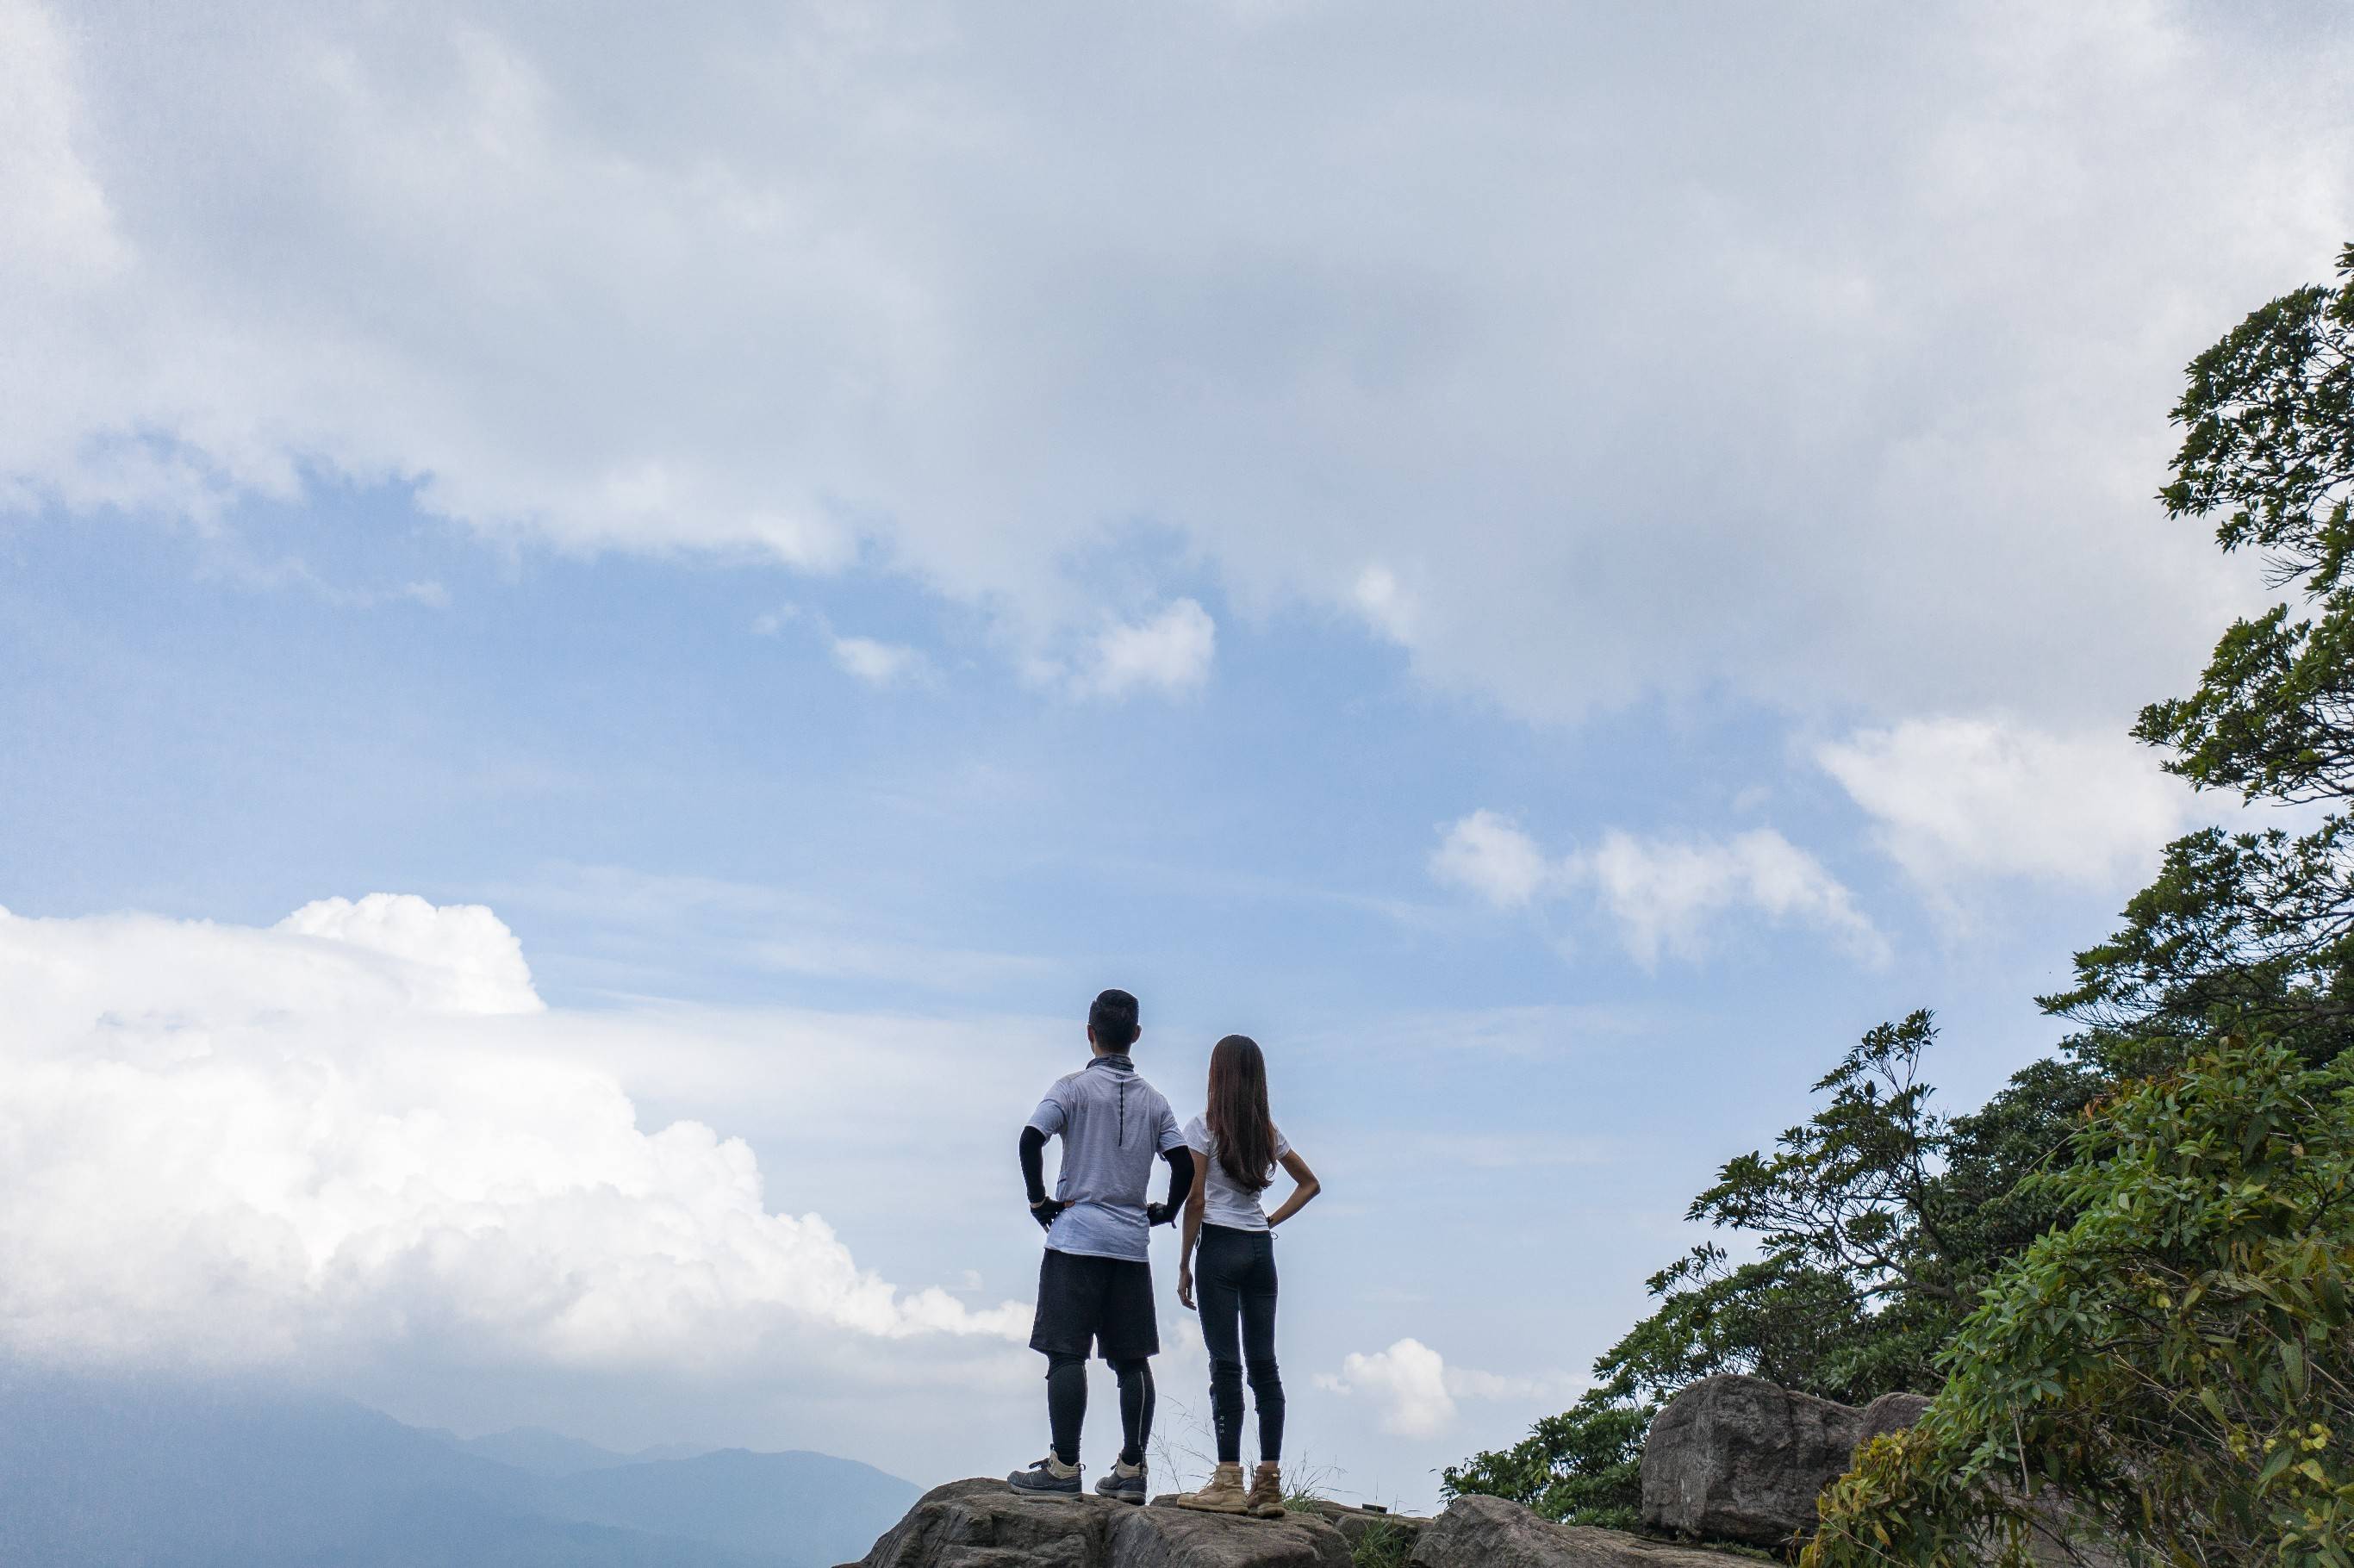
column 2178, row 1363
column 1875, row 1219
column 1876, row 1222
column 2257, row 927
column 1579, row 1467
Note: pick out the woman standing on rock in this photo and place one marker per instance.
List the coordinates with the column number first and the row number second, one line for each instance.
column 1238, row 1147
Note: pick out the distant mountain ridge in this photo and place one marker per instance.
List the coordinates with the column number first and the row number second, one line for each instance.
column 98, row 1473
column 546, row 1453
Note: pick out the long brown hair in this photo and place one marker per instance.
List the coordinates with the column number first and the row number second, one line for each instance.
column 1237, row 1114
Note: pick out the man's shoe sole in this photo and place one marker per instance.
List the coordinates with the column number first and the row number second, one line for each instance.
column 1236, row 1511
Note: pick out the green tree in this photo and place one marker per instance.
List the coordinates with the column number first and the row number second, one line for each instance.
column 1582, row 1466
column 2174, row 1372
column 2254, row 925
column 2177, row 1359
column 1875, row 1223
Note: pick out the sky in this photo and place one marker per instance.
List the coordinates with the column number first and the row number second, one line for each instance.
column 610, row 619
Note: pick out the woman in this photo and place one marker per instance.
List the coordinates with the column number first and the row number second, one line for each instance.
column 1235, row 1143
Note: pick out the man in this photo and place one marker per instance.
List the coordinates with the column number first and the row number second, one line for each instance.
column 1095, row 1284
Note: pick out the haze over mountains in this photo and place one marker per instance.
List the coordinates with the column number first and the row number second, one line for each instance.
column 178, row 1474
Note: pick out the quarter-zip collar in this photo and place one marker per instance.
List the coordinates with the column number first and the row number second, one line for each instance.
column 1123, row 1070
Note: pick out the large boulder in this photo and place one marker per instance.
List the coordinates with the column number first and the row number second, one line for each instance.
column 1891, row 1412
column 1739, row 1458
column 986, row 1524
column 1489, row 1533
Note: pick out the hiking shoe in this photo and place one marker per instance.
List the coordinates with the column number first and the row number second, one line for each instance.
column 1050, row 1476
column 1267, row 1492
column 1224, row 1494
column 1123, row 1482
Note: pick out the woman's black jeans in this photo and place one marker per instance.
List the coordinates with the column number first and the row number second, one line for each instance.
column 1234, row 1280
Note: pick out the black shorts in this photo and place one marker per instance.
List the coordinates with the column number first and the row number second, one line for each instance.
column 1105, row 1302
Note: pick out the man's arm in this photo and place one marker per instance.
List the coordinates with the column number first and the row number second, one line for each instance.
column 1181, row 1181
column 1034, row 1177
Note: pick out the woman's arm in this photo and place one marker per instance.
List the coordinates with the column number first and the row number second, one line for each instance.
column 1306, row 1187
column 1195, row 1202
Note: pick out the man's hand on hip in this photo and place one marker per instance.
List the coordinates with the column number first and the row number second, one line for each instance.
column 1044, row 1211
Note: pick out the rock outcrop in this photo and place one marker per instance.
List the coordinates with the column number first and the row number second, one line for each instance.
column 1739, row 1458
column 1489, row 1533
column 983, row 1524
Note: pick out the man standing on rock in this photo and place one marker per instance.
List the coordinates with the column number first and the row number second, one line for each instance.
column 1095, row 1284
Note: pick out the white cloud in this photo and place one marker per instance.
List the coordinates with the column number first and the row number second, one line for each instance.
column 1168, row 652
column 1386, row 604
column 1665, row 893
column 1490, row 855
column 881, row 663
column 1418, row 1389
column 1954, row 799
column 457, row 958
column 769, row 622
column 359, row 1129
column 1410, row 1380
column 1661, row 896
column 749, row 284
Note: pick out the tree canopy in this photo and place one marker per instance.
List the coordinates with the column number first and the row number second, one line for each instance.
column 2128, row 1275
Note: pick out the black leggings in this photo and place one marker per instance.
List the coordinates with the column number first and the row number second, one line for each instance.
column 1067, row 1405
column 1234, row 1275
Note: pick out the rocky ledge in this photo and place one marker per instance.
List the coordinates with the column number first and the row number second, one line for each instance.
column 983, row 1524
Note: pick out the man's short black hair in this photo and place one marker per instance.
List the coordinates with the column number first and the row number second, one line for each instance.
column 1113, row 1017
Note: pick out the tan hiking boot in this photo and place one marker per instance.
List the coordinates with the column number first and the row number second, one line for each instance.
column 1224, row 1494
column 1267, row 1492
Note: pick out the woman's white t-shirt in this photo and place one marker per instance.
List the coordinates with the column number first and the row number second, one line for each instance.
column 1225, row 1202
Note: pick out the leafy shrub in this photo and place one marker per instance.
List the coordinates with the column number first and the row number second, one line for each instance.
column 2173, row 1373
column 1582, row 1466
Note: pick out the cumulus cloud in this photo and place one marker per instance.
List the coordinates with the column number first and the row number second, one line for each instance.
column 1417, row 1390
column 1956, row 800
column 360, row 1128
column 457, row 958
column 1664, row 894
column 1661, row 896
column 751, row 284
column 881, row 663
column 1409, row 1379
column 1490, row 855
column 1169, row 652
